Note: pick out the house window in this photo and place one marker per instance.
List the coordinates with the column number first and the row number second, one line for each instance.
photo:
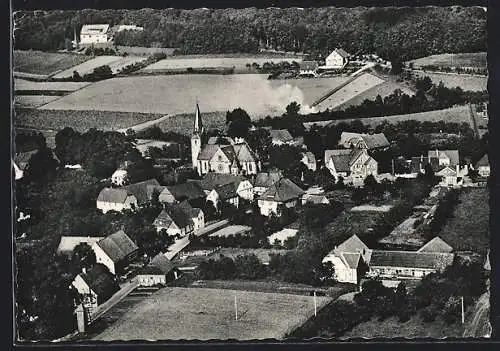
column 220, row 168
column 250, row 167
column 220, row 158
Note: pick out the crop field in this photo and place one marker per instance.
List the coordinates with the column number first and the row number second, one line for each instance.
column 358, row 86
column 468, row 229
column 45, row 63
column 383, row 89
column 177, row 94
column 183, row 123
column 459, row 114
column 79, row 120
column 451, row 80
column 88, row 66
column 22, row 84
column 205, row 314
column 477, row 59
column 239, row 63
column 33, row 101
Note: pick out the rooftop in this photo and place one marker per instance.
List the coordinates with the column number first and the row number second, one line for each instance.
column 117, row 246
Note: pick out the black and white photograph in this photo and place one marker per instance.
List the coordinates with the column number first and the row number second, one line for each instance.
column 245, row 174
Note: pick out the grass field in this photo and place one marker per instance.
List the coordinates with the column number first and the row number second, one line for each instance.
column 468, row 229
column 78, row 120
column 33, row 101
column 177, row 94
column 204, row 314
column 22, row 84
column 39, row 62
column 465, row 82
column 231, row 230
column 183, row 123
column 414, row 328
column 88, row 66
column 262, row 254
column 477, row 59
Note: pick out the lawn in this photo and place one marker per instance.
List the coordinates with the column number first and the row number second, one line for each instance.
column 477, row 59
column 451, row 80
column 78, row 120
column 414, row 328
column 177, row 94
column 468, row 229
column 231, row 230
column 262, row 254
column 204, row 314
column 45, row 63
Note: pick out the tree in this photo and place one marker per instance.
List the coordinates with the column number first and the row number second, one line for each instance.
column 292, row 109
column 83, row 256
column 41, row 166
column 249, row 267
column 260, row 141
column 239, row 123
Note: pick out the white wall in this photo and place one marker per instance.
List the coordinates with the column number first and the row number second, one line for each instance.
column 101, row 257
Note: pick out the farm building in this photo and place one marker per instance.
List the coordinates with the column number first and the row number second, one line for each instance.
column 353, row 165
column 196, row 215
column 338, row 59
column 264, row 180
column 175, row 221
column 95, row 286
column 68, row 243
column 281, row 136
column 483, row 166
column 309, row 160
column 111, row 199
column 119, row 177
column 436, row 245
column 211, row 180
column 159, row 271
column 190, row 191
column 224, row 193
column 143, row 191
column 364, row 141
column 115, row 251
column 94, row 34
column 349, row 260
column 315, row 199
column 307, row 68
column 282, row 193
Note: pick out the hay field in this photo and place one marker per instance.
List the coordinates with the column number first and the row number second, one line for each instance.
column 476, row 59
column 206, row 314
column 45, row 63
column 358, row 86
column 88, row 66
column 176, row 94
column 238, row 63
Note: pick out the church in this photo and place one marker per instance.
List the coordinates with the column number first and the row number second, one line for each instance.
column 221, row 155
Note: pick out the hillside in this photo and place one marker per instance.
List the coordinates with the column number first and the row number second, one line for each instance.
column 477, row 59
column 394, row 33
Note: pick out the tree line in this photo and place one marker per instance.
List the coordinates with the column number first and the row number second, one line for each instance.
column 404, row 33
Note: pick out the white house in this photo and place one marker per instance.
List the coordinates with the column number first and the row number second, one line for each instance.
column 110, row 199
column 175, row 221
column 364, row 141
column 483, row 166
column 68, row 243
column 337, row 59
column 94, row 34
column 159, row 271
column 115, row 251
column 264, row 180
column 309, row 160
column 452, row 176
column 224, row 193
column 282, row 193
column 119, row 177
column 353, row 165
column 244, row 187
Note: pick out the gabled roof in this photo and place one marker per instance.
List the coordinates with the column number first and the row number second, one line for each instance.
column 115, row 195
column 68, row 243
column 101, row 281
column 352, row 245
column 141, row 190
column 226, row 191
column 483, row 162
column 179, row 216
column 160, row 264
column 188, row 209
column 451, row 154
column 266, row 179
column 342, row 53
column 212, row 180
column 372, row 141
column 244, row 153
column 310, row 157
column 282, row 135
column 281, row 191
column 208, row 151
column 341, row 159
column 446, row 172
column 117, row 246
column 410, row 259
column 352, row 259
column 228, row 150
column 163, row 219
column 186, row 191
column 436, row 245
column 94, row 29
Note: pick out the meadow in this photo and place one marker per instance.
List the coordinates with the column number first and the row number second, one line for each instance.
column 116, row 63
column 453, row 80
column 22, row 84
column 33, row 101
column 477, row 59
column 177, row 94
column 205, row 314
column 45, row 63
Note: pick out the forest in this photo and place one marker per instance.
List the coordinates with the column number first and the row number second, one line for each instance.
column 392, row 33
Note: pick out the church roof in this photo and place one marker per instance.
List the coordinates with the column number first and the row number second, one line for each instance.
column 198, row 125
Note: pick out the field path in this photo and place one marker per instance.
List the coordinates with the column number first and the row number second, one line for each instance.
column 144, row 125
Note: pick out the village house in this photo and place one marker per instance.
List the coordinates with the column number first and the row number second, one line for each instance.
column 338, row 59
column 483, row 166
column 364, row 141
column 95, row 286
column 436, row 244
column 309, row 160
column 224, row 194
column 175, row 221
column 196, row 215
column 280, row 137
column 143, row 191
column 159, row 271
column 94, row 34
column 68, row 243
column 235, row 158
column 264, row 180
column 111, row 199
column 211, row 180
column 190, row 191
column 349, row 260
column 444, row 163
column 315, row 199
column 352, row 165
column 21, row 161
column 116, row 251
column 119, row 177
column 282, row 193
column 308, row 68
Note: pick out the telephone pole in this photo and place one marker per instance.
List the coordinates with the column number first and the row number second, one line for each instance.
column 315, row 305
column 236, row 307
column 463, row 314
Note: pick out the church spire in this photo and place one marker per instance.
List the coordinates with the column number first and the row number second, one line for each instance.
column 198, row 126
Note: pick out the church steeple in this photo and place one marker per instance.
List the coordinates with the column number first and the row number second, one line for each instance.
column 198, row 125
column 196, row 139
